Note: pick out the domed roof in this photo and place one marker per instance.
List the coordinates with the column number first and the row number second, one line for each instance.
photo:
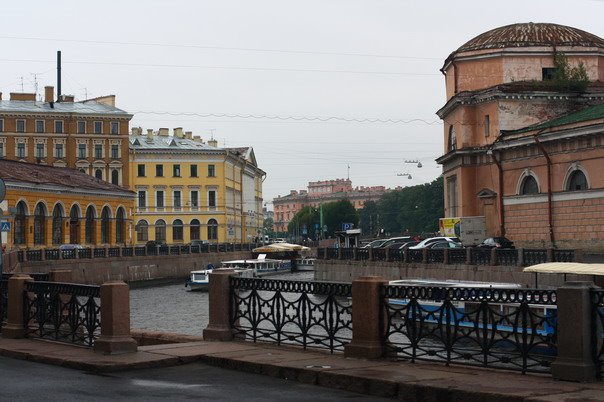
column 530, row 34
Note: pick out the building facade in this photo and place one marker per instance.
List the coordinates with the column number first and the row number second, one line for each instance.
column 522, row 147
column 91, row 135
column 188, row 189
column 321, row 192
column 48, row 206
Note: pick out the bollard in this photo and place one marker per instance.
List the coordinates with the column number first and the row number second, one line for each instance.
column 366, row 318
column 115, row 320
column 14, row 327
column 575, row 360
column 219, row 326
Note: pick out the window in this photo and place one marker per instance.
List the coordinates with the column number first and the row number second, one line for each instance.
column 529, row 186
column 21, row 150
column 39, row 150
column 212, row 199
column 160, row 230
column 98, row 174
column 1, row 150
column 193, row 170
column 57, row 225
column 452, row 139
column 98, row 151
column 176, row 170
column 89, row 229
column 577, row 181
column 211, row 171
column 142, row 199
column 58, row 150
column 177, row 199
column 115, row 152
column 177, row 230
column 159, row 170
column 40, row 224
column 81, row 151
column 120, row 225
column 451, row 196
column 548, row 73
column 105, row 225
column 195, row 198
column 141, row 170
column 39, row 126
column 159, row 199
column 81, row 127
column 20, row 227
column 58, row 126
column 115, row 177
column 487, row 125
column 212, row 229
column 115, row 127
column 98, row 127
column 142, row 231
column 194, row 229
column 20, row 126
column 1, row 125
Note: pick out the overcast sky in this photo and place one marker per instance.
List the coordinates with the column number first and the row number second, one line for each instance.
column 298, row 61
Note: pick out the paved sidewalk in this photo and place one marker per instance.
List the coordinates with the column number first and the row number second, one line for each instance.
column 403, row 380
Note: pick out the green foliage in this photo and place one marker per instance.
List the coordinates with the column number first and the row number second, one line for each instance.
column 337, row 213
column 308, row 216
column 569, row 78
column 368, row 217
column 268, row 227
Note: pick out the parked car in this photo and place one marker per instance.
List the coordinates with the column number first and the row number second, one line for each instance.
column 394, row 240
column 427, row 242
column 408, row 244
column 152, row 244
column 67, row 247
column 375, row 244
column 444, row 244
column 195, row 243
column 496, row 242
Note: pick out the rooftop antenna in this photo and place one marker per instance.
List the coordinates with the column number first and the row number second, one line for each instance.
column 22, row 90
column 348, row 175
column 212, row 133
column 35, row 75
column 58, row 75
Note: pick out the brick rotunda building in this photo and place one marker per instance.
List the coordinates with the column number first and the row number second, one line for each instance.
column 524, row 134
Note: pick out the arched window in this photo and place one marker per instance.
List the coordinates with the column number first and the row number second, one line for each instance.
column 105, row 224
column 98, row 174
column 194, row 229
column 57, row 224
column 577, row 181
column 115, row 177
column 177, row 230
column 74, row 224
column 212, row 229
column 20, row 217
column 39, row 224
column 90, row 225
column 142, row 231
column 529, row 186
column 120, row 220
column 160, row 230
column 452, row 139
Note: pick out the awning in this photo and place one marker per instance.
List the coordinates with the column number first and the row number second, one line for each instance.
column 280, row 247
column 566, row 268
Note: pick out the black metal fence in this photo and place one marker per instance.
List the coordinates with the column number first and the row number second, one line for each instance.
column 62, row 312
column 310, row 314
column 498, row 328
column 4, row 292
column 598, row 335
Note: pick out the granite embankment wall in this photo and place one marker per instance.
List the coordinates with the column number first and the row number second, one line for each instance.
column 348, row 270
column 149, row 268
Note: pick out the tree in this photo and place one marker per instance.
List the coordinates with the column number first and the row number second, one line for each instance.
column 268, row 227
column 307, row 218
column 368, row 218
column 569, row 78
column 339, row 212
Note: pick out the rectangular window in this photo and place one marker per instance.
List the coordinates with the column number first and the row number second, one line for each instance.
column 115, row 152
column 21, row 150
column 1, row 126
column 193, row 170
column 212, row 199
column 177, row 199
column 451, row 196
column 1, row 150
column 81, row 151
column 211, row 171
column 142, row 199
column 59, row 126
column 176, row 170
column 39, row 150
column 58, row 150
column 39, row 126
column 20, row 126
column 115, row 127
column 159, row 199
column 195, row 198
column 141, row 170
column 487, row 125
column 548, row 73
column 98, row 151
column 159, row 170
column 81, row 127
column 98, row 127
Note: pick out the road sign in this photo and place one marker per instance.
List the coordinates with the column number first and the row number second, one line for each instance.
column 347, row 226
column 5, row 226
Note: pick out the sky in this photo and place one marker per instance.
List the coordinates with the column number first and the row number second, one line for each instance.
column 320, row 89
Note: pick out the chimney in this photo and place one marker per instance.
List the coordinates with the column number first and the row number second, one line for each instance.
column 188, row 134
column 0, row 95
column 150, row 135
column 67, row 98
column 137, row 131
column 197, row 139
column 213, row 143
column 164, row 132
column 16, row 96
column 178, row 132
column 49, row 94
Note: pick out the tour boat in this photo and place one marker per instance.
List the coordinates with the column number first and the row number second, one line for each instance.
column 305, row 264
column 200, row 279
column 260, row 266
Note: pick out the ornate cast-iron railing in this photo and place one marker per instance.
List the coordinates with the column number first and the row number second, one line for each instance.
column 457, row 256
column 436, row 256
column 347, row 253
column 533, row 257
column 498, row 328
column 3, row 301
column 310, row 314
column 480, row 256
column 507, row 256
column 62, row 312
column 415, row 255
column 598, row 336
column 362, row 254
column 564, row 255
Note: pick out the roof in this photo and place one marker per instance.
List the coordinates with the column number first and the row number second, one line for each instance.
column 587, row 114
column 566, row 268
column 530, row 35
column 161, row 142
column 84, row 108
column 21, row 172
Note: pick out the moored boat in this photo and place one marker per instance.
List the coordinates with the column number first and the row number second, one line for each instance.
column 305, row 264
column 200, row 279
column 260, row 266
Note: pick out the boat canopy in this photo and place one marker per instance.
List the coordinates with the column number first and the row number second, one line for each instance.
column 566, row 268
column 280, row 247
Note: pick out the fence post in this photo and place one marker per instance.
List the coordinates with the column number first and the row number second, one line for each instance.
column 60, row 275
column 469, row 256
column 115, row 320
column 370, row 253
column 424, row 255
column 578, row 255
column 575, row 360
column 219, row 295
column 549, row 255
column 339, row 253
column 354, row 253
column 14, row 327
column 446, row 256
column 520, row 262
column 366, row 318
column 42, row 254
column 405, row 256
column 387, row 254
column 493, row 257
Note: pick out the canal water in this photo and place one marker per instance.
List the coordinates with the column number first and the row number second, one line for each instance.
column 172, row 308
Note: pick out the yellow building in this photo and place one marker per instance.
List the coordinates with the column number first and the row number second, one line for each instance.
column 48, row 206
column 188, row 189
